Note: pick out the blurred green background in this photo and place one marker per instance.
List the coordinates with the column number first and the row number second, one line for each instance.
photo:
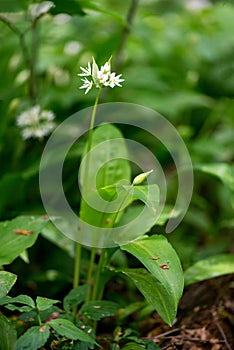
column 176, row 57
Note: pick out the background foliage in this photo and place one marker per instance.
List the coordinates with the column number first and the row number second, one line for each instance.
column 175, row 60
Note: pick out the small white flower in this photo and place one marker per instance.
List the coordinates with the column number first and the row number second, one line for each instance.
column 87, row 85
column 86, row 71
column 36, row 123
column 102, row 78
column 99, row 77
column 115, row 80
column 106, row 69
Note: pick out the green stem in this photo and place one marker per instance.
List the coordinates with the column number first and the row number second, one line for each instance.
column 78, row 248
column 122, row 204
column 33, row 84
column 90, row 272
column 93, row 119
column 97, row 293
column 76, row 276
column 39, row 318
column 97, row 289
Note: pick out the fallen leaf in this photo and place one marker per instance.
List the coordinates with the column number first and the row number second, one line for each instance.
column 23, row 232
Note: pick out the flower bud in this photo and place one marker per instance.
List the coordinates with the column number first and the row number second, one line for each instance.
column 141, row 177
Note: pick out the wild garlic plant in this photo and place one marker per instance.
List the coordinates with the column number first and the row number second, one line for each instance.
column 116, row 214
column 92, row 76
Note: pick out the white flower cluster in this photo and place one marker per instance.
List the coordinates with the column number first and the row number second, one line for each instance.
column 99, row 77
column 36, row 123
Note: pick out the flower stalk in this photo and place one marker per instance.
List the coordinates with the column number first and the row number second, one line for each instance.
column 92, row 76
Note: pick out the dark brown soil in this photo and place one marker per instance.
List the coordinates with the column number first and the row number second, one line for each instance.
column 205, row 319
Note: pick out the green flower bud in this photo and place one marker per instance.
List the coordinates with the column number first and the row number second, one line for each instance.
column 141, row 177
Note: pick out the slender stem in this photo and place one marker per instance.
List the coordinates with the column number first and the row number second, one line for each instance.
column 39, row 318
column 34, row 54
column 97, row 293
column 76, row 275
column 118, row 211
column 91, row 126
column 97, row 289
column 122, row 204
column 90, row 271
column 78, row 253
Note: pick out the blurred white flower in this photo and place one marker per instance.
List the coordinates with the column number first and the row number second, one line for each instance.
column 99, row 77
column 72, row 48
column 35, row 123
column 197, row 5
column 61, row 77
column 22, row 77
column 62, row 18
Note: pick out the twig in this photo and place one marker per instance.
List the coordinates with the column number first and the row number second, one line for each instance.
column 34, row 51
column 29, row 60
column 21, row 36
column 126, row 31
column 199, row 340
column 166, row 347
column 215, row 317
column 162, row 334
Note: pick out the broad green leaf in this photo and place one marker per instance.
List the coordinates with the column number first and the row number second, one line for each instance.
column 95, row 310
column 211, row 267
column 75, row 297
column 20, row 299
column 224, row 172
column 101, row 218
column 108, row 147
column 67, row 329
column 106, row 166
column 161, row 260
column 45, row 303
column 34, row 338
column 13, row 307
column 7, row 280
column 8, row 335
column 24, row 256
column 139, row 219
column 154, row 292
column 18, row 235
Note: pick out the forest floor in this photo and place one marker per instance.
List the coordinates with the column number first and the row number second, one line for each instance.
column 205, row 319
